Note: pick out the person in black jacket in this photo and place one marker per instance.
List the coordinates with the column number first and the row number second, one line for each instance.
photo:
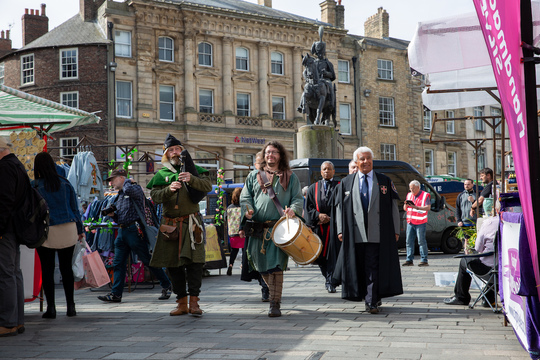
column 14, row 188
column 319, row 216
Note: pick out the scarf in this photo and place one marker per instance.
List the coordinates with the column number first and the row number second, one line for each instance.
column 284, row 177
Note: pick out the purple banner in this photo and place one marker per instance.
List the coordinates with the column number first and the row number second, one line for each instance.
column 500, row 22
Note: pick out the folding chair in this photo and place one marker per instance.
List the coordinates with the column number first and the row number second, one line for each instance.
column 487, row 282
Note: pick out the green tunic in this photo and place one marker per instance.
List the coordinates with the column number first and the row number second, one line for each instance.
column 265, row 210
column 166, row 252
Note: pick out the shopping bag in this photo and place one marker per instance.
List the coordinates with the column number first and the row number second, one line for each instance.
column 95, row 274
column 77, row 260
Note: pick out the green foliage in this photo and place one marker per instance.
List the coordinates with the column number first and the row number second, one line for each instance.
column 467, row 235
column 218, row 218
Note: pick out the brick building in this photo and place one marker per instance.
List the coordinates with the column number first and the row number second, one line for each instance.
column 66, row 65
column 225, row 77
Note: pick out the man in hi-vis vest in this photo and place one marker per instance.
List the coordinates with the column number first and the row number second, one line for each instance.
column 417, row 206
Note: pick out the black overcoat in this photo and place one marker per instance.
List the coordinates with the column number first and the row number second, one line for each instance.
column 319, row 202
column 346, row 272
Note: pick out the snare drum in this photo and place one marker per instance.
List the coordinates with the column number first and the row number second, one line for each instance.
column 297, row 240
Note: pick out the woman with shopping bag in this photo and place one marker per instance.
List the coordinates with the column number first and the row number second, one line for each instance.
column 65, row 228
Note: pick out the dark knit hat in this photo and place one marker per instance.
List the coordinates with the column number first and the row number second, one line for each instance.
column 115, row 173
column 170, row 141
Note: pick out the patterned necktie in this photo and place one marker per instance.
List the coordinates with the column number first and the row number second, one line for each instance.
column 365, row 194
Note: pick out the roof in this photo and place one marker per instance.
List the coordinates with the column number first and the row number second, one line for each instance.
column 384, row 42
column 21, row 110
column 73, row 32
column 244, row 7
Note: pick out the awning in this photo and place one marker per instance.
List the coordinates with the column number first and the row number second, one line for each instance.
column 20, row 110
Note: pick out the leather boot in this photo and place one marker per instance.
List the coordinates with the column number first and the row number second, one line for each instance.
column 194, row 308
column 181, row 308
column 71, row 310
column 274, row 309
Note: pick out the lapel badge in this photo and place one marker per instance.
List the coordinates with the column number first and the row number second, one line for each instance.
column 384, row 189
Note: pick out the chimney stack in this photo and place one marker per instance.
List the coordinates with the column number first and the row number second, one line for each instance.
column 5, row 43
column 267, row 3
column 328, row 12
column 88, row 9
column 378, row 25
column 340, row 15
column 34, row 25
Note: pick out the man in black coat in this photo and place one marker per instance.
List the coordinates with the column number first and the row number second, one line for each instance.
column 367, row 222
column 319, row 216
column 14, row 188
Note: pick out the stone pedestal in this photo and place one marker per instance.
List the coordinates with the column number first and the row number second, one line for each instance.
column 317, row 141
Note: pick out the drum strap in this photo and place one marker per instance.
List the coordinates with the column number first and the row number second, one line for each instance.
column 271, row 193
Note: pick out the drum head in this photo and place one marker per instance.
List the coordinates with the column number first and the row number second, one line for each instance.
column 285, row 230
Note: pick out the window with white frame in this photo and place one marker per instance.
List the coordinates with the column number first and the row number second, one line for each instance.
column 242, row 104
column 70, row 99
column 343, row 71
column 242, row 166
column 242, row 59
column 481, row 156
column 124, row 99
column 27, row 69
column 498, row 159
column 205, row 54
column 450, row 124
column 278, row 107
column 386, row 111
column 166, row 103
column 122, row 43
column 166, row 48
column 429, row 166
column 206, row 101
column 385, row 69
column 67, row 147
column 427, row 119
column 345, row 119
column 388, row 152
column 479, row 124
column 451, row 163
column 2, row 73
column 276, row 63
column 496, row 112
column 69, row 64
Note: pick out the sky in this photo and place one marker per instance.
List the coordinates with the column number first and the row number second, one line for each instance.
column 404, row 14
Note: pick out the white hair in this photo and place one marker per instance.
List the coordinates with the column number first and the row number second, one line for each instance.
column 415, row 183
column 361, row 150
column 327, row 162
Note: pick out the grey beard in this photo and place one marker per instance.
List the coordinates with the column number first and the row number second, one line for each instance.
column 175, row 161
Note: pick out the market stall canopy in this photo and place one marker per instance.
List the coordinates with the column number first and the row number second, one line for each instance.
column 20, row 110
column 451, row 53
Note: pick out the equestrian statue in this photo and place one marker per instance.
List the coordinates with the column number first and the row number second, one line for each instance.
column 319, row 97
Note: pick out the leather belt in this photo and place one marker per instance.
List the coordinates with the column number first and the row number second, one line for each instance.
column 123, row 226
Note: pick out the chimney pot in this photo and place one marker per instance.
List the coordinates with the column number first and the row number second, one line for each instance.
column 43, row 6
column 2, row 34
column 26, row 11
column 7, row 34
column 31, row 11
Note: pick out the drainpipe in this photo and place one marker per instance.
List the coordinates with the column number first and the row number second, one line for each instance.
column 357, row 117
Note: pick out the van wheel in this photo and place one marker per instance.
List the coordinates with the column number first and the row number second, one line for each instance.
column 450, row 244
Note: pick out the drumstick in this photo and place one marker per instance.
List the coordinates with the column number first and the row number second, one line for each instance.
column 288, row 230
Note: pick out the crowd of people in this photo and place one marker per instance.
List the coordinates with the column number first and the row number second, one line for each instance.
column 356, row 218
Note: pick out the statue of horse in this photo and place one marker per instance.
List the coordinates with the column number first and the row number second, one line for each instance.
column 316, row 102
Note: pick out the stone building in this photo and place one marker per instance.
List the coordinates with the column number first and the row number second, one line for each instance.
column 65, row 65
column 226, row 77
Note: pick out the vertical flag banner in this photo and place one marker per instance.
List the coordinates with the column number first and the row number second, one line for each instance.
column 501, row 26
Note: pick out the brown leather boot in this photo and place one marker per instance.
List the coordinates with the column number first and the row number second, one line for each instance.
column 274, row 309
column 194, row 308
column 181, row 308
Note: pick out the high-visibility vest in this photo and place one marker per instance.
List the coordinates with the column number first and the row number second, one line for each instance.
column 414, row 216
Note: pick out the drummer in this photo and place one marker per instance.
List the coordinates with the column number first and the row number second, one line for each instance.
column 262, row 213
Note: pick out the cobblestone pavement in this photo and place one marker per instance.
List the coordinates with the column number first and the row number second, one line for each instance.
column 314, row 325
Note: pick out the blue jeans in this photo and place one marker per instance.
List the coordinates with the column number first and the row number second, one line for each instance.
column 128, row 240
column 413, row 232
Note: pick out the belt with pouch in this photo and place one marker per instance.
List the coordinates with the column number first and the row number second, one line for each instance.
column 256, row 229
column 123, row 226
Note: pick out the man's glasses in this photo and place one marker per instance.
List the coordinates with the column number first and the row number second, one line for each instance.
column 272, row 152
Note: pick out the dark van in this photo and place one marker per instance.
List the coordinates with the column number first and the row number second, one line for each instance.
column 441, row 218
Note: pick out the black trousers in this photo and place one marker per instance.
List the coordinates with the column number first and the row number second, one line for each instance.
column 367, row 257
column 191, row 274
column 463, row 281
column 47, row 259
column 234, row 254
